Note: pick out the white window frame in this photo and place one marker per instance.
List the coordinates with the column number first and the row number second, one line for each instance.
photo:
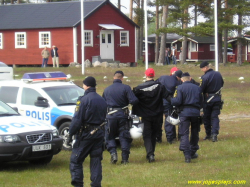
column 91, row 38
column 40, row 39
column 1, row 40
column 127, row 44
column 194, row 46
column 24, row 42
column 248, row 48
column 212, row 47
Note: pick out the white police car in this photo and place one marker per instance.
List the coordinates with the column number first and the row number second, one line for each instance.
column 45, row 96
column 22, row 139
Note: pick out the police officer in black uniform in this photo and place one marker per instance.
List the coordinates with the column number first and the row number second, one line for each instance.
column 211, row 84
column 90, row 113
column 150, row 107
column 170, row 83
column 188, row 99
column 118, row 96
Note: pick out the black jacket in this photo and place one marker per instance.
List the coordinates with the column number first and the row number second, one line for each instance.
column 150, row 95
column 90, row 108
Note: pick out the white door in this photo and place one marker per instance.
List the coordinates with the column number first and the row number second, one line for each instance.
column 107, row 44
column 189, row 49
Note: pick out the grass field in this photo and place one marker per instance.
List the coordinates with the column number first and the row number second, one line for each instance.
column 226, row 161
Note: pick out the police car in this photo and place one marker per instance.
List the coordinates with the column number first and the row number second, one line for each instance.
column 22, row 139
column 44, row 96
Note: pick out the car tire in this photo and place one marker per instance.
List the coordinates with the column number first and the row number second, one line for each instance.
column 63, row 129
column 41, row 161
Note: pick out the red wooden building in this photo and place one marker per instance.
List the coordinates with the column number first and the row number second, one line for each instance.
column 25, row 29
column 198, row 48
column 245, row 49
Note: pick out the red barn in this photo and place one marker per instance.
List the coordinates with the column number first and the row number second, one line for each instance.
column 25, row 29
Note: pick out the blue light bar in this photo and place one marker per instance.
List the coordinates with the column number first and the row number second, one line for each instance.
column 45, row 76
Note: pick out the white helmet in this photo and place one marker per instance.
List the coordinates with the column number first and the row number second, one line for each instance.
column 173, row 121
column 136, row 132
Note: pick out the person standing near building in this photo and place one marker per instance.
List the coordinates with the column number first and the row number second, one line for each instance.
column 90, row 113
column 55, row 56
column 170, row 83
column 118, row 96
column 45, row 55
column 150, row 107
column 188, row 99
column 174, row 54
column 167, row 60
column 211, row 84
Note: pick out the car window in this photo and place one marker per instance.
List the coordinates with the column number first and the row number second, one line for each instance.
column 29, row 96
column 6, row 110
column 8, row 94
column 64, row 95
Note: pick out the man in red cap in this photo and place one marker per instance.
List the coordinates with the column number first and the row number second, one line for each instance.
column 173, row 70
column 150, row 107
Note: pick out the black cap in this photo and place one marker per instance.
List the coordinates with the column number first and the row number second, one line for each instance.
column 119, row 72
column 178, row 73
column 90, row 81
column 203, row 64
column 186, row 74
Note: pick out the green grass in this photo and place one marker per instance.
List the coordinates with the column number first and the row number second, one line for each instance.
column 228, row 159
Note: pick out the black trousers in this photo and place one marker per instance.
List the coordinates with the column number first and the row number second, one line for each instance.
column 189, row 147
column 86, row 145
column 151, row 127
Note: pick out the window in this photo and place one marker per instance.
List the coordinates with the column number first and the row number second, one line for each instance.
column 8, row 94
column 29, row 96
column 124, row 38
column 44, row 39
column 212, row 47
column 1, row 40
column 193, row 46
column 20, row 40
column 88, row 38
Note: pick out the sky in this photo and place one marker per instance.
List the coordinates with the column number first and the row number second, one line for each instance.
column 125, row 3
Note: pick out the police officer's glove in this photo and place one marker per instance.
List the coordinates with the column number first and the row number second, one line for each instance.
column 68, row 139
column 169, row 98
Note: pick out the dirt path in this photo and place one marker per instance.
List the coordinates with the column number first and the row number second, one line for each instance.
column 233, row 117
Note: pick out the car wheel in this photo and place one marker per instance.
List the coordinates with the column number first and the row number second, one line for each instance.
column 41, row 161
column 63, row 131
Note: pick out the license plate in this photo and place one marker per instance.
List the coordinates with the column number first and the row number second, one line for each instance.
column 41, row 147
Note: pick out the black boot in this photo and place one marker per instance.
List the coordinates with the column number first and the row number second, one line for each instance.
column 208, row 137
column 124, row 162
column 187, row 160
column 195, row 155
column 113, row 159
column 151, row 158
column 214, row 138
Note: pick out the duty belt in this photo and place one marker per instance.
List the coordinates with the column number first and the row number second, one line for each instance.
column 89, row 127
column 111, row 109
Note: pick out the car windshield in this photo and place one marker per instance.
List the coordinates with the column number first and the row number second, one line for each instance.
column 64, row 95
column 6, row 110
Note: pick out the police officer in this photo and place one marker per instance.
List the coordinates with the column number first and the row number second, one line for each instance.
column 150, row 107
column 188, row 99
column 118, row 96
column 211, row 84
column 170, row 83
column 90, row 113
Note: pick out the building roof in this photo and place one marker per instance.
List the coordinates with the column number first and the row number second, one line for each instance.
column 170, row 37
column 198, row 39
column 47, row 15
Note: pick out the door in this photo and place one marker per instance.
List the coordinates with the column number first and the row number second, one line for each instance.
column 107, row 44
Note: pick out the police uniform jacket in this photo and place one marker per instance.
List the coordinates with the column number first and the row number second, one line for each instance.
column 188, row 99
column 117, row 96
column 170, row 83
column 211, row 82
column 150, row 95
column 91, row 108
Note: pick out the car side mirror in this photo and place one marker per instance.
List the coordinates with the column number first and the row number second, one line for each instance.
column 42, row 102
column 15, row 108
